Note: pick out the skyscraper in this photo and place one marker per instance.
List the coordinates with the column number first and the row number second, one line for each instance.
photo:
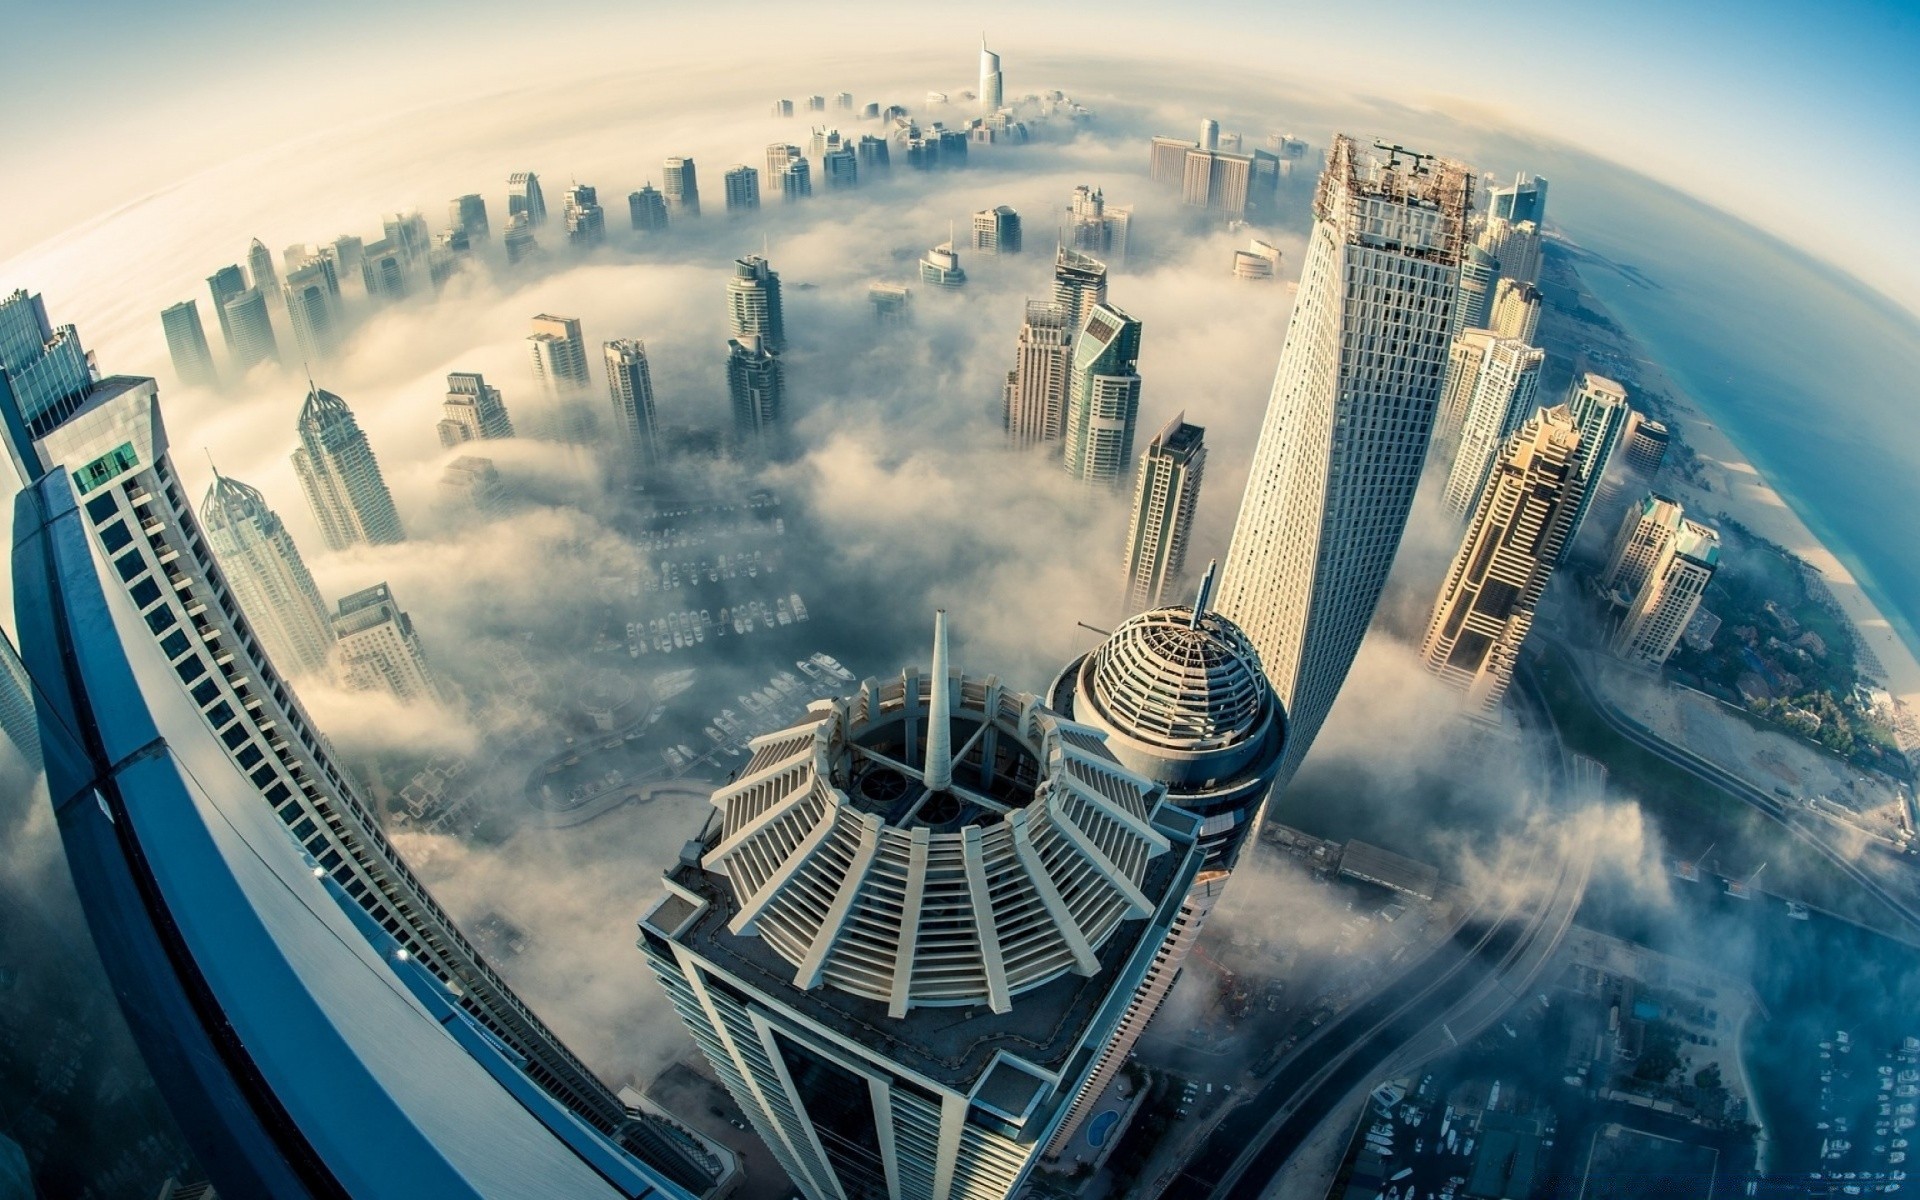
column 1165, row 494
column 1643, row 540
column 1518, row 532
column 268, row 576
column 1034, row 402
column 468, row 214
column 648, row 209
column 630, row 387
column 1600, row 409
column 187, row 344
column 1345, row 436
column 753, row 303
column 44, row 371
column 376, row 649
column 1515, row 245
column 1079, row 284
column 341, row 477
column 940, row 267
column 1525, row 199
column 1670, row 596
column 1516, row 310
column 779, row 154
column 1015, row 869
column 1095, row 229
column 1479, row 279
column 586, row 220
column 524, row 198
column 892, row 303
column 473, row 411
column 320, row 953
column 742, row 184
column 754, row 388
column 990, row 82
column 840, row 167
column 473, row 484
column 250, row 329
column 1502, row 397
column 226, row 283
column 390, row 274
column 1645, row 445
column 519, row 240
column 680, row 187
column 559, row 356
column 996, row 231
column 1180, row 696
column 1103, row 397
column 796, row 180
column 260, row 269
column 409, row 233
column 873, row 153
column 313, row 306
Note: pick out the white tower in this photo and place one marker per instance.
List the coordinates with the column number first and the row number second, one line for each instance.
column 1346, row 431
column 990, row 89
column 268, row 576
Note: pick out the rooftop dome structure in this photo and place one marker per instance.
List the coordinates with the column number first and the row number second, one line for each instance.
column 1008, row 857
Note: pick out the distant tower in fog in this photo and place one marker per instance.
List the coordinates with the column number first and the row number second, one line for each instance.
column 753, row 303
column 268, row 576
column 648, row 209
column 376, row 648
column 341, row 477
column 468, row 214
column 313, row 306
column 1525, row 199
column 524, row 198
column 586, row 220
column 559, row 356
column 1165, row 494
column 1034, row 401
column 681, row 187
column 754, row 388
column 1079, row 283
column 187, row 344
column 249, row 329
column 1103, row 397
column 996, row 231
column 473, row 411
column 260, row 268
column 742, row 186
column 990, row 83
column 630, row 388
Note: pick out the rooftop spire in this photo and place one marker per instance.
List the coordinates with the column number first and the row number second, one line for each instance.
column 1205, row 594
column 938, row 773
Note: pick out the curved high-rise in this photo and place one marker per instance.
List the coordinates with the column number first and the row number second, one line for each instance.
column 1103, row 397
column 630, row 388
column 1346, row 431
column 341, row 477
column 269, row 577
column 990, row 82
column 912, row 925
column 753, row 303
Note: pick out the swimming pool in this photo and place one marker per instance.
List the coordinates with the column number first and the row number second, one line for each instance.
column 1102, row 1125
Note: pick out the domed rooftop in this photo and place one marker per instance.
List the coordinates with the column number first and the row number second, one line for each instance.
column 1006, row 859
column 230, row 502
column 1181, row 681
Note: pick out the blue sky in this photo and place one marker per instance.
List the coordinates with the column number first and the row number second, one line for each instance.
column 1800, row 118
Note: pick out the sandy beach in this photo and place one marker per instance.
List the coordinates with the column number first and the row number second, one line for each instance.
column 1735, row 489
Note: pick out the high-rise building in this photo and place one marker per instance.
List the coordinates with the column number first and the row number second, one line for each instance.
column 840, row 167
column 1096, row 229
column 1466, row 355
column 226, row 283
column 1516, row 310
column 1180, row 696
column 783, row 108
column 1345, row 436
column 816, row 104
column 390, row 274
column 250, row 329
column 892, row 302
column 753, row 303
column 1209, row 175
column 940, row 267
column 1479, row 280
column 473, row 485
column 559, row 356
column 519, row 240
column 320, row 953
column 1503, row 395
column 873, row 152
column 1015, row 869
column 754, row 387
column 1515, row 245
column 1166, row 492
column 268, row 576
column 779, row 154
column 680, row 187
column 473, row 411
column 1645, row 445
column 990, row 81
column 1079, row 286
column 468, row 214
column 996, row 231
column 313, row 306
column 187, row 344
column 1103, row 398
column 630, row 388
column 524, row 198
column 648, row 209
column 1670, row 596
column 1516, row 537
column 1643, row 540
column 375, row 647
column 341, row 477
column 843, row 101
column 347, row 253
column 796, row 180
column 1034, row 401
column 1600, row 409
column 1525, row 199
column 586, row 220
column 1259, row 262
column 742, row 185
column 408, row 231
column 260, row 270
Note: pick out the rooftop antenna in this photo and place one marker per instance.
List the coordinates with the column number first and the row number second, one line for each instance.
column 938, row 774
column 1205, row 594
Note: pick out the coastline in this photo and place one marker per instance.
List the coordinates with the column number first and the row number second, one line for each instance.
column 1736, row 490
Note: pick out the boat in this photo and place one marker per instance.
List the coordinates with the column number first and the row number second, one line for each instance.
column 799, row 609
